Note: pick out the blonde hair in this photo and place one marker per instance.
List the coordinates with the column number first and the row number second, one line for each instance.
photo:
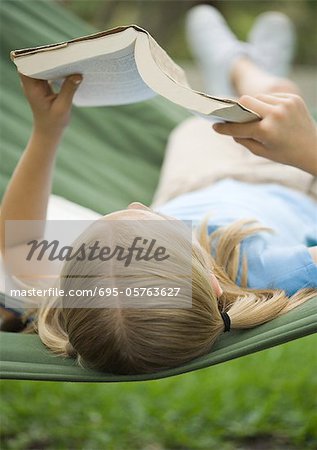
column 143, row 340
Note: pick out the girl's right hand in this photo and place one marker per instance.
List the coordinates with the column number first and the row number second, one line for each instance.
column 286, row 134
column 51, row 111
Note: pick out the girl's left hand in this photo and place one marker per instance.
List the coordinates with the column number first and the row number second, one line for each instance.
column 51, row 111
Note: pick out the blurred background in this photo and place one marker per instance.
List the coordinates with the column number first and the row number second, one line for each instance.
column 165, row 21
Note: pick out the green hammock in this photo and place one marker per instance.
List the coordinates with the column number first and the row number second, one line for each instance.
column 109, row 157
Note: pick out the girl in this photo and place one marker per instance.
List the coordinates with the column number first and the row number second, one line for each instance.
column 252, row 259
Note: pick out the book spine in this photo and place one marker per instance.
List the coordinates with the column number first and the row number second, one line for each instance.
column 24, row 52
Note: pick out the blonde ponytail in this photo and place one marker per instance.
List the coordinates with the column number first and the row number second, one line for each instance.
column 246, row 307
column 252, row 310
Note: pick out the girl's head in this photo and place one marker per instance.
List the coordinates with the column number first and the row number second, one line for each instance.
column 147, row 333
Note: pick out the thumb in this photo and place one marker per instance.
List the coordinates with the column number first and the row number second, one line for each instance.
column 68, row 90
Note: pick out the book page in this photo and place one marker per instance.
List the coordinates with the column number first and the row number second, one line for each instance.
column 110, row 79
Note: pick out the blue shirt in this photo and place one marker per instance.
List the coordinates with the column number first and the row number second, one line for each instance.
column 275, row 261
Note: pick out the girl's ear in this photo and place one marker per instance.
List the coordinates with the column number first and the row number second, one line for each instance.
column 216, row 286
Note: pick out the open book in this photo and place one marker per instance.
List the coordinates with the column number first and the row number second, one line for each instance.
column 120, row 66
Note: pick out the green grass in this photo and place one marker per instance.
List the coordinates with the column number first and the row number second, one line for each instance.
column 267, row 399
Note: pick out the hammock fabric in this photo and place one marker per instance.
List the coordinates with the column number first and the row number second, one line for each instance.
column 24, row 357
column 109, row 157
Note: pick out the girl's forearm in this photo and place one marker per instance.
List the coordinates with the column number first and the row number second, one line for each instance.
column 27, row 194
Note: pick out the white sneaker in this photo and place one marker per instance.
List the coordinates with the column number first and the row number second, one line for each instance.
column 273, row 40
column 215, row 47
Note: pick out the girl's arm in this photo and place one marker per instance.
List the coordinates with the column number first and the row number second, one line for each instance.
column 27, row 194
column 286, row 134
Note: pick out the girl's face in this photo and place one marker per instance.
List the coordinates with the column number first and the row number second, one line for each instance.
column 138, row 211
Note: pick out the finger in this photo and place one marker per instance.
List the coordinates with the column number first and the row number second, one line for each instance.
column 254, row 146
column 28, row 84
column 238, row 130
column 68, row 90
column 256, row 105
column 284, row 95
column 27, row 81
column 274, row 99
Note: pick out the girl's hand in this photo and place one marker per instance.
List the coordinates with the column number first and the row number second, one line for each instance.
column 51, row 111
column 286, row 134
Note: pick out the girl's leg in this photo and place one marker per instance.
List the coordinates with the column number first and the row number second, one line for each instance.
column 231, row 67
column 248, row 78
column 196, row 156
